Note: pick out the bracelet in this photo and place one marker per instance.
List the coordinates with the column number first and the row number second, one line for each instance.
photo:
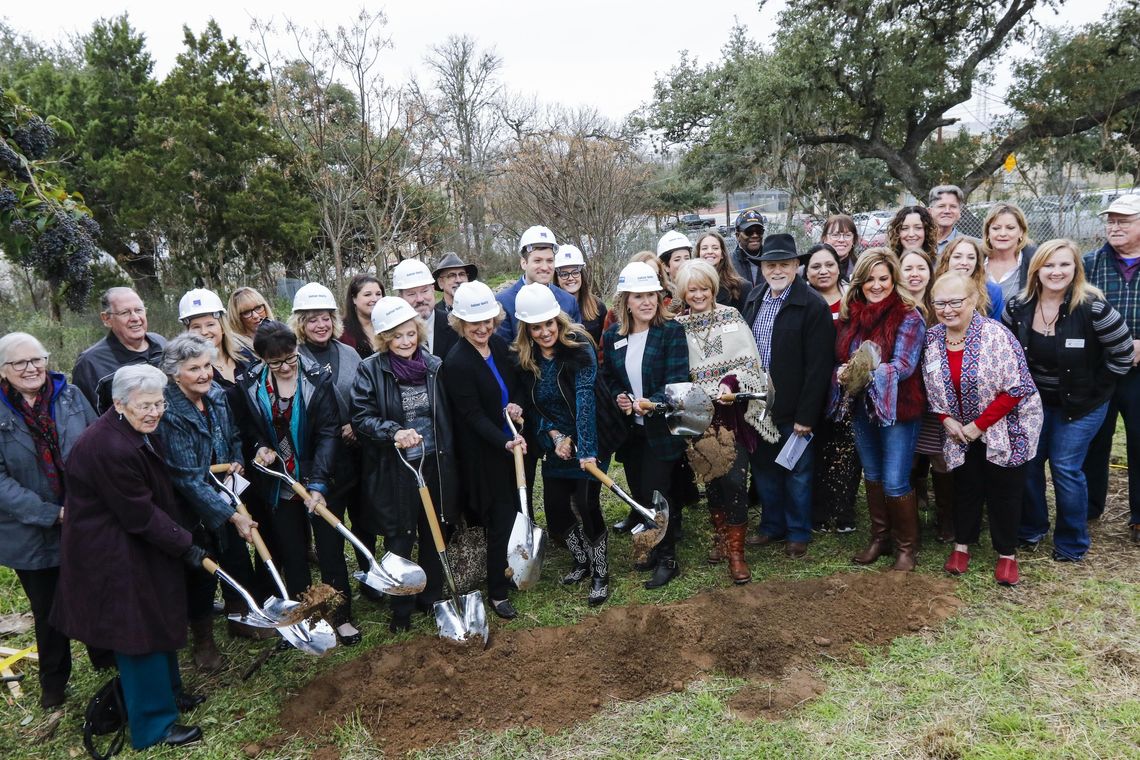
column 558, row 439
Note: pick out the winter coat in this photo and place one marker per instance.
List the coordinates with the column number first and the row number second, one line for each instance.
column 314, row 431
column 509, row 328
column 390, row 496
column 122, row 582
column 95, row 367
column 444, row 337
column 29, row 535
column 346, row 471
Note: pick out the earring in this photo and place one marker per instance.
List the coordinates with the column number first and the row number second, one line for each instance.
column 120, row 416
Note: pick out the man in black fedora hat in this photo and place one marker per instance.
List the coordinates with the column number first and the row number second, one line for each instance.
column 796, row 339
column 449, row 273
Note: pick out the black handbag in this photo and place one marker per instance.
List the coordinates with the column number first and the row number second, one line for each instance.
column 105, row 714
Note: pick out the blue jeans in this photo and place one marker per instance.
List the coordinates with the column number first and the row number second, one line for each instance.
column 1125, row 401
column 785, row 494
column 886, row 452
column 1064, row 443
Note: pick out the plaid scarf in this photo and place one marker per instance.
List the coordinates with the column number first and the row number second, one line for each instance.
column 44, row 434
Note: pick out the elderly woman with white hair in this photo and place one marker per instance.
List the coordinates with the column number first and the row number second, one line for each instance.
column 122, row 579
column 198, row 431
column 41, row 416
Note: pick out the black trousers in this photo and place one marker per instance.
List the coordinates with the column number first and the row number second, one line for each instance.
column 729, row 492
column 53, row 647
column 978, row 483
column 353, row 499
column 232, row 555
column 288, row 541
column 497, row 519
column 562, row 496
column 646, row 472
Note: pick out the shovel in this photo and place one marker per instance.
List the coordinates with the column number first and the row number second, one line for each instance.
column 687, row 407
column 650, row 532
column 391, row 575
column 460, row 617
column 527, row 544
column 256, row 616
column 305, row 636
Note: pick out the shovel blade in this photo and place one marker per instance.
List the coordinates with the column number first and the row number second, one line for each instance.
column 393, row 575
column 254, row 619
column 465, row 623
column 305, row 636
column 526, row 549
column 644, row 537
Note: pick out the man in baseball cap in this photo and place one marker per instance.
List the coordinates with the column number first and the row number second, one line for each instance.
column 750, row 225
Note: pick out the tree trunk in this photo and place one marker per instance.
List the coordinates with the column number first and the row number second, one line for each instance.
column 140, row 267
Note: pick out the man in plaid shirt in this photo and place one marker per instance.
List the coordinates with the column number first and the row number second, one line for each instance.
column 1115, row 269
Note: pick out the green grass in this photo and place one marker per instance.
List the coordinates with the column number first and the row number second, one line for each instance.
column 1048, row 670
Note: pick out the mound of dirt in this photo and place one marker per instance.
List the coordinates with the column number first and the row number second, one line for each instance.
column 424, row 692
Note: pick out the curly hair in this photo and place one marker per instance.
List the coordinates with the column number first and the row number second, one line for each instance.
column 930, row 230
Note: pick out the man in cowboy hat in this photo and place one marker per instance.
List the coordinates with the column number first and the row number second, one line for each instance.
column 449, row 273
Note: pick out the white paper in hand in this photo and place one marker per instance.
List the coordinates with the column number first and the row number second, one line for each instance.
column 236, row 483
column 793, row 450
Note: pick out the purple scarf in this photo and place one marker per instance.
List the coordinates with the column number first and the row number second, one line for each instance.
column 411, row 371
column 45, row 435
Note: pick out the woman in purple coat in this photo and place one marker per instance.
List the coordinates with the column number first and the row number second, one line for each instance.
column 122, row 584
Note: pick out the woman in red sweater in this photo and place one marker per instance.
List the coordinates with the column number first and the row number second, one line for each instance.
column 978, row 383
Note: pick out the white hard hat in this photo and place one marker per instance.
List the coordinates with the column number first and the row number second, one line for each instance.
column 638, row 277
column 569, row 256
column 313, row 296
column 671, row 241
column 474, row 302
column 197, row 302
column 411, row 273
column 537, row 235
column 390, row 312
column 535, row 303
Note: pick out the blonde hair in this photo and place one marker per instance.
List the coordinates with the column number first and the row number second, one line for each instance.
column 1005, row 208
column 297, row 321
column 1081, row 290
column 524, row 345
column 244, row 299
column 968, row 283
column 381, row 340
column 869, row 259
column 978, row 275
column 700, row 272
column 459, row 325
column 925, row 306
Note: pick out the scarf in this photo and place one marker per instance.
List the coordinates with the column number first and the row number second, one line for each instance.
column 720, row 344
column 412, row 371
column 45, row 436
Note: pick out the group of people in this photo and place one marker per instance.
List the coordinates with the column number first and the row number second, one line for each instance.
column 978, row 360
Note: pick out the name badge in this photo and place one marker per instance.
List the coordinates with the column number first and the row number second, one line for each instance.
column 933, row 366
column 1075, row 343
column 621, row 343
column 731, row 328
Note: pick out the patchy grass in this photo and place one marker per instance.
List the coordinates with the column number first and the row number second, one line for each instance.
column 1050, row 669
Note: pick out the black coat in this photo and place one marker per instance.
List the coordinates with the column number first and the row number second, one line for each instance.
column 122, row 584
column 392, row 503
column 476, row 405
column 319, row 434
column 443, row 337
column 746, row 269
column 803, row 352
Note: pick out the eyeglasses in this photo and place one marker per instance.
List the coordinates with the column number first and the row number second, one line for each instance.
column 570, row 272
column 953, row 303
column 290, row 360
column 1121, row 223
column 127, row 313
column 454, row 275
column 256, row 311
column 38, row 362
column 156, row 406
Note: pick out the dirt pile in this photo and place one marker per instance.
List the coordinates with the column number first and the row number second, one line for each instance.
column 424, row 692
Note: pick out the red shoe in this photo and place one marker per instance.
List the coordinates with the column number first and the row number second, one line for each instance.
column 957, row 563
column 1005, row 573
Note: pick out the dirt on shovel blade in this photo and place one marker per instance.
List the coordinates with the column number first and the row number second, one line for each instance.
column 645, row 540
column 317, row 603
column 423, row 692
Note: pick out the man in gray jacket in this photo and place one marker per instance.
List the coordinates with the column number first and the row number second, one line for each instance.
column 128, row 342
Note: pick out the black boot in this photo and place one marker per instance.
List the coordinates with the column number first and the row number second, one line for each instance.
column 579, row 550
column 631, row 521
column 667, row 568
column 600, row 583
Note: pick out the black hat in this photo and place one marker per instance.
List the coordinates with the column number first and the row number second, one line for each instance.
column 451, row 260
column 779, row 247
column 749, row 218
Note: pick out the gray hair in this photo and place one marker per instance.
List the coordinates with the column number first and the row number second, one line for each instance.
column 110, row 293
column 136, row 377
column 183, row 348
column 940, row 190
column 13, row 339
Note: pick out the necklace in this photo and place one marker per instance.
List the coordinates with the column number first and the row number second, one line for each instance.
column 954, row 343
column 1048, row 323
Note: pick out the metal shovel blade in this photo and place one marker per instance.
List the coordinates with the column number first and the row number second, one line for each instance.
column 464, row 624
column 310, row 639
column 690, row 410
column 645, row 537
column 526, row 549
column 393, row 575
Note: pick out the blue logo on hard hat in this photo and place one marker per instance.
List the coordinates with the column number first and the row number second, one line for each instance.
column 197, row 301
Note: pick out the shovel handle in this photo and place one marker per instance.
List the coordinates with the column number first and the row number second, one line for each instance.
column 433, row 521
column 647, row 406
column 210, row 565
column 220, row 469
column 520, row 471
column 258, row 542
column 606, row 480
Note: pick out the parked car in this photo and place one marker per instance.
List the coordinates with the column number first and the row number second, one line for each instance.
column 693, row 222
column 871, row 227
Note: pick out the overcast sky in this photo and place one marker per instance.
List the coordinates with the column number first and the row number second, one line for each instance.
column 603, row 53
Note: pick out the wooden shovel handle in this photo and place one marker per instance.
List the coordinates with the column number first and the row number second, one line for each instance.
column 433, row 521
column 258, row 542
column 520, row 471
column 320, row 509
column 210, row 565
column 607, row 481
column 220, row 469
column 646, row 406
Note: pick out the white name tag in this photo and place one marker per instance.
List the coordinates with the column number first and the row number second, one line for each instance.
column 1075, row 343
column 731, row 328
column 933, row 366
column 621, row 343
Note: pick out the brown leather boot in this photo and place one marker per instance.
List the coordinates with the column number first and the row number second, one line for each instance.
column 718, row 517
column 204, row 651
column 903, row 512
column 734, row 548
column 880, row 525
column 944, row 500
